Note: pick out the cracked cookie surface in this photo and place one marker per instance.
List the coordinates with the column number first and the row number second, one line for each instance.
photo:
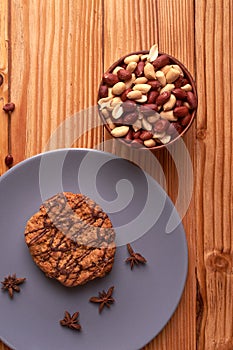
column 71, row 239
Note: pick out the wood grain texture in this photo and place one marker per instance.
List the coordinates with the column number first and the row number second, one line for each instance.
column 125, row 30
column 54, row 59
column 55, row 64
column 4, row 41
column 214, row 39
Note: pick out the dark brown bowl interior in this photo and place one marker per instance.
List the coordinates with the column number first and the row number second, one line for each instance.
column 187, row 75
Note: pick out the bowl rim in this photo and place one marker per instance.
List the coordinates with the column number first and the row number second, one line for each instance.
column 194, row 90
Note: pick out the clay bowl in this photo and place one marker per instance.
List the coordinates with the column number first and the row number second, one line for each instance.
column 178, row 135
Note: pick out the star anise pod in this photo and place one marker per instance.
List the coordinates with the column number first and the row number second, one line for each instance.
column 11, row 284
column 71, row 321
column 104, row 299
column 134, row 258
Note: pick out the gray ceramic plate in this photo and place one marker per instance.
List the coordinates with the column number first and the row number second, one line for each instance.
column 146, row 297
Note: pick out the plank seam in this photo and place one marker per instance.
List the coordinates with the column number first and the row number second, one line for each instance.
column 103, row 52
column 9, row 58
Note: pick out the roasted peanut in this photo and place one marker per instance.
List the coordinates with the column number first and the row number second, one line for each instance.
column 146, row 125
column 149, row 143
column 167, row 87
column 134, row 95
column 110, row 79
column 143, row 99
column 163, row 98
column 178, row 102
column 141, row 80
column 148, row 109
column 181, row 111
column 170, row 103
column 136, row 134
column 130, row 118
column 115, row 101
column 179, row 93
column 155, row 84
column 161, row 61
column 153, row 118
column 158, row 135
column 129, row 106
column 145, row 135
column 115, row 70
column 120, row 131
column 172, row 75
column 178, row 68
column 181, row 81
column 187, row 87
column 152, row 95
column 161, row 125
column 129, row 136
column 129, row 83
column 124, row 75
column 110, row 94
column 131, row 58
column 110, row 123
column 139, row 69
column 117, row 111
column 137, row 125
column 149, row 71
column 166, row 68
column 123, row 96
column 153, row 53
column 192, row 100
column 161, row 77
column 185, row 103
column 137, row 143
column 185, row 121
column 166, row 139
column 103, row 91
column 169, row 115
column 144, row 57
column 104, row 102
column 144, row 88
column 131, row 66
column 118, row 88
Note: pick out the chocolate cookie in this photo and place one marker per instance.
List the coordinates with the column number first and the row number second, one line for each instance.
column 71, row 239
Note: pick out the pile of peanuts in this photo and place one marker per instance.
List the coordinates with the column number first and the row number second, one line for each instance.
column 147, row 99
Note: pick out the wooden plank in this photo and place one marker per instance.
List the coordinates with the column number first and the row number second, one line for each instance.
column 136, row 25
column 4, row 41
column 128, row 26
column 214, row 38
column 176, row 37
column 57, row 67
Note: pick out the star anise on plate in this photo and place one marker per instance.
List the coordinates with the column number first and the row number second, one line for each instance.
column 104, row 299
column 11, row 284
column 71, row 321
column 134, row 258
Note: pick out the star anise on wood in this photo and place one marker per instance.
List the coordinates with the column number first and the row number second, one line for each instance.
column 11, row 284
column 134, row 258
column 71, row 321
column 104, row 299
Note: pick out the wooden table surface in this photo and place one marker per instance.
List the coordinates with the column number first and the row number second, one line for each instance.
column 52, row 56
